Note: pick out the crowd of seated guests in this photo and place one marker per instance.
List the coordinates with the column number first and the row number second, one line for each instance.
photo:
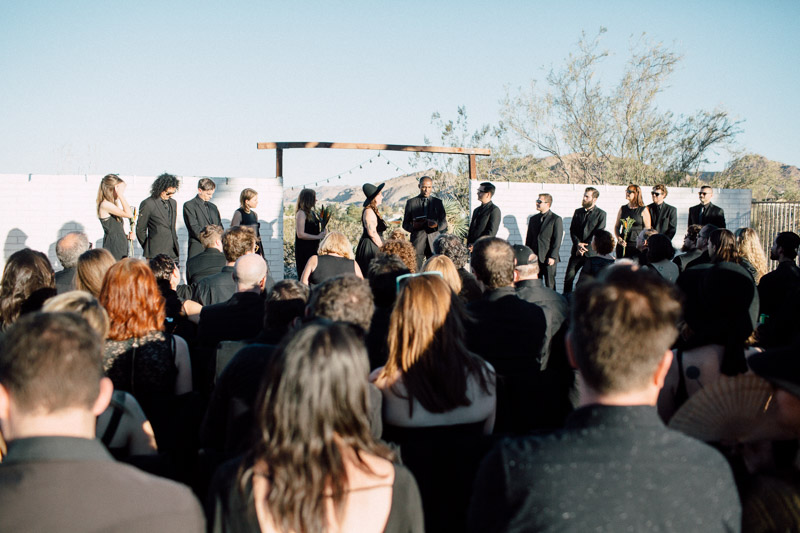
column 291, row 408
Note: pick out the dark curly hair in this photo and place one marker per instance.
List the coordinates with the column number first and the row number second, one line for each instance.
column 162, row 183
column 404, row 250
column 451, row 246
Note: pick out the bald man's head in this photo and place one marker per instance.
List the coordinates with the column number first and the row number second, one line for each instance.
column 250, row 273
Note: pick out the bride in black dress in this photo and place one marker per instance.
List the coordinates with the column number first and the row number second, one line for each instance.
column 112, row 207
column 374, row 226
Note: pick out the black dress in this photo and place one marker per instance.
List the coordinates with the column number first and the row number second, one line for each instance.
column 630, row 250
column 304, row 248
column 114, row 239
column 329, row 266
column 366, row 248
column 240, row 218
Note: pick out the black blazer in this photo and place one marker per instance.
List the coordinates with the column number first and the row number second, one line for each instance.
column 485, row 222
column 196, row 217
column 156, row 228
column 65, row 280
column 583, row 227
column 545, row 238
column 240, row 317
column 205, row 264
column 666, row 222
column 714, row 215
column 436, row 212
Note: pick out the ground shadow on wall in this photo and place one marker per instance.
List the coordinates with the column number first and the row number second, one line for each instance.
column 15, row 240
column 267, row 230
column 67, row 227
column 510, row 223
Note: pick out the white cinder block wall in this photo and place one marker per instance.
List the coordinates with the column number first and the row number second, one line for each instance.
column 517, row 202
column 39, row 209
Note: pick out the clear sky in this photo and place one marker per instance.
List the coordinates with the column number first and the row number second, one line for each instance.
column 190, row 87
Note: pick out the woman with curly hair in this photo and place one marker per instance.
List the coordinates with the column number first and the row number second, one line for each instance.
column 372, row 224
column 307, row 230
column 28, row 280
column 112, row 207
column 751, row 253
column 334, row 257
column 315, row 467
column 404, row 250
column 635, row 214
column 139, row 357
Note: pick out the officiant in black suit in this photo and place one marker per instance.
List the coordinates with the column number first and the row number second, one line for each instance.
column 486, row 217
column 705, row 212
column 424, row 219
column 663, row 217
column 198, row 213
column 545, row 231
column 586, row 221
column 158, row 214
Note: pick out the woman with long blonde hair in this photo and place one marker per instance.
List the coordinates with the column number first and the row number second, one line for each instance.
column 112, row 207
column 751, row 253
column 444, row 265
column 334, row 257
column 91, row 269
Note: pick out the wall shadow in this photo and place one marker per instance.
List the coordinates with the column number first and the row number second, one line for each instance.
column 15, row 240
column 514, row 235
column 67, row 227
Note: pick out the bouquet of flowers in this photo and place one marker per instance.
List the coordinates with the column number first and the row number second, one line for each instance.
column 323, row 216
column 627, row 226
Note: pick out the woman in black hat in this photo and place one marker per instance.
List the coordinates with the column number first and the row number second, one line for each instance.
column 374, row 226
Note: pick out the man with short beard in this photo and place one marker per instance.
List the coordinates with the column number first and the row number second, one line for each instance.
column 586, row 221
column 689, row 248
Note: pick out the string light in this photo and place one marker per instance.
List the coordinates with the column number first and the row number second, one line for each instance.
column 349, row 171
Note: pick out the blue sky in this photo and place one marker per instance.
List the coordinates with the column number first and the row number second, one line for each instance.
column 191, row 87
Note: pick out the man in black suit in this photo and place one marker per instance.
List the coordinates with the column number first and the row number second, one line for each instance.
column 212, row 259
column 545, row 231
column 509, row 335
column 663, row 217
column 198, row 213
column 158, row 214
column 57, row 476
column 586, row 221
column 236, row 242
column 486, row 217
column 689, row 248
column 68, row 249
column 424, row 219
column 705, row 212
column 702, row 245
column 779, row 292
column 615, row 463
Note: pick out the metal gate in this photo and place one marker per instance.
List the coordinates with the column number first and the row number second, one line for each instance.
column 771, row 218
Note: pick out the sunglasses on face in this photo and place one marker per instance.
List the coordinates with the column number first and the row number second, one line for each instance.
column 401, row 281
column 702, row 193
column 538, row 201
column 630, row 192
column 655, row 193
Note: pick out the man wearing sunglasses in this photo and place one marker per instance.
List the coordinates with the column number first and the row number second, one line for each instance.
column 705, row 212
column 663, row 217
column 485, row 219
column 157, row 217
column 545, row 232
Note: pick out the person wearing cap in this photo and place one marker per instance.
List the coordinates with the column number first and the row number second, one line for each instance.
column 545, row 231
column 779, row 292
column 485, row 219
column 373, row 226
column 663, row 217
column 425, row 219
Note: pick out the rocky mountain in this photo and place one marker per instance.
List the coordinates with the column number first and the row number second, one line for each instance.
column 395, row 193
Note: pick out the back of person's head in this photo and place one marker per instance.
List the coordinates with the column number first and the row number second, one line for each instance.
column 397, row 234
column 312, row 407
column 749, row 247
column 404, row 250
column 622, row 324
column 722, row 246
column 604, row 242
column 162, row 183
column 493, row 262
column 210, row 235
column 26, row 272
column 50, row 362
column 690, row 239
column 132, row 299
column 335, row 242
column 249, row 272
column 91, row 270
column 70, row 247
column 659, row 248
column 443, row 265
column 382, row 274
column 789, row 242
column 84, row 304
column 644, row 235
column 343, row 298
column 451, row 246
column 162, row 266
column 238, row 241
column 285, row 301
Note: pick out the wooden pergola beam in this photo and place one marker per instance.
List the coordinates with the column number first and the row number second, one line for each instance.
column 369, row 146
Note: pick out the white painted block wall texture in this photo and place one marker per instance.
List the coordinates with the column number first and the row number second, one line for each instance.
column 39, row 209
column 517, row 202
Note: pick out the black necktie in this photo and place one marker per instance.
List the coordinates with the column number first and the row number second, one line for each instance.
column 425, row 207
column 208, row 212
column 167, row 207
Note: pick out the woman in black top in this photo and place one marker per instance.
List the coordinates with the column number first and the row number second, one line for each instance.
column 112, row 207
column 307, row 230
column 372, row 237
column 635, row 210
column 335, row 257
column 245, row 216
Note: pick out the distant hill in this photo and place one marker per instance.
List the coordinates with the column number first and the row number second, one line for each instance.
column 395, row 193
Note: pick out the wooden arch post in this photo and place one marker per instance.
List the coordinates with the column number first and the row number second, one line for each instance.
column 279, row 147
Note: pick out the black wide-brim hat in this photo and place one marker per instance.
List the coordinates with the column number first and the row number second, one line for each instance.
column 779, row 366
column 371, row 191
